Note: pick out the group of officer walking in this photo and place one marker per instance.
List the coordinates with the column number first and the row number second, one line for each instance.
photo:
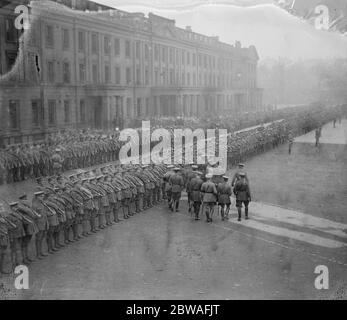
column 65, row 209
column 204, row 193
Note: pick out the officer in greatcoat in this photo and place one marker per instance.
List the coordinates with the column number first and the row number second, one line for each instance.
column 224, row 193
column 209, row 194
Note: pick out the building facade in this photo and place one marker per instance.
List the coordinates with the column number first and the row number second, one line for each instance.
column 82, row 65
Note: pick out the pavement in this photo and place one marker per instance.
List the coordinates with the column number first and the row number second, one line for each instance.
column 164, row 255
column 330, row 135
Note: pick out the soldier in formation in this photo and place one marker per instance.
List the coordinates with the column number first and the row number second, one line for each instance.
column 62, row 206
column 224, row 193
column 177, row 184
column 243, row 195
column 209, row 197
column 86, row 148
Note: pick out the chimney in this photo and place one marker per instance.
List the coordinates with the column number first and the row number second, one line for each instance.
column 237, row 44
column 189, row 28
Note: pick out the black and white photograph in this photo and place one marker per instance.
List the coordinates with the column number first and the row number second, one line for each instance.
column 173, row 150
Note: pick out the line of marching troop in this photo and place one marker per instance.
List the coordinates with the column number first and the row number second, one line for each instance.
column 67, row 208
column 205, row 191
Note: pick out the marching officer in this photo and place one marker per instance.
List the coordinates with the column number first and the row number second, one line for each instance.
column 195, row 186
column 224, row 193
column 177, row 183
column 189, row 176
column 209, row 193
column 243, row 195
column 237, row 174
column 167, row 185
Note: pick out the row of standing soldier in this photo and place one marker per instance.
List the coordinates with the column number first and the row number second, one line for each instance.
column 204, row 195
column 74, row 207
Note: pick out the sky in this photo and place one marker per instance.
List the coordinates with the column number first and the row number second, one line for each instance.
column 274, row 31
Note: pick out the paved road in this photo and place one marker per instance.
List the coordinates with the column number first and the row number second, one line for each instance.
column 330, row 135
column 161, row 255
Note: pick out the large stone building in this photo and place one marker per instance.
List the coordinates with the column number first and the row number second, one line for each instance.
column 83, row 65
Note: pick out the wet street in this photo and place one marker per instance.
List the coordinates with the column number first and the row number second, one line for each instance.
column 163, row 255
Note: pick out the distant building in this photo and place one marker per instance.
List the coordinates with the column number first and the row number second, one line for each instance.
column 86, row 65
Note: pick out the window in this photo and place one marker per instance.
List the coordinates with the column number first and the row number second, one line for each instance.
column 66, row 72
column 188, row 58
column 138, row 52
column 50, row 71
column 183, row 57
column 188, row 79
column 146, row 52
column 171, row 76
column 81, row 41
column 52, row 112
column 33, row 36
column 32, row 74
column 11, row 57
column 13, row 112
column 194, row 59
column 156, row 53
column 171, row 55
column 95, row 44
column 66, row 39
column 82, row 111
column 127, row 49
column 128, row 75
column 128, row 107
column 156, row 76
column 67, row 114
column 107, row 45
column 95, row 73
column 116, row 47
column 138, row 76
column 82, row 72
column 163, row 54
column 37, row 113
column 118, row 75
column 49, row 36
column 183, row 79
column 107, row 74
column 147, row 112
column 146, row 77
column 194, row 79
column 138, row 107
column 11, row 31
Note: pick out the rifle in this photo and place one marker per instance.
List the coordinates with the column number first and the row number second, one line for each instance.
column 49, row 209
